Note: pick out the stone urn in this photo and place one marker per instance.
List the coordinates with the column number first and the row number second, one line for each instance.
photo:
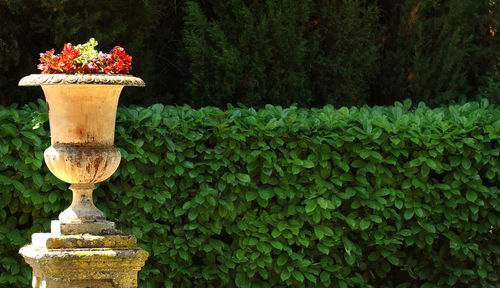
column 82, row 113
column 83, row 249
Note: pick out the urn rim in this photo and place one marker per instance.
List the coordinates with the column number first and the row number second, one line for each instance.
column 91, row 79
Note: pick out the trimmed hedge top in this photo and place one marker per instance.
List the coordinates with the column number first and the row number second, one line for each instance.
column 371, row 197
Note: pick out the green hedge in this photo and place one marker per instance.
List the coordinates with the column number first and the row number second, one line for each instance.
column 370, row 197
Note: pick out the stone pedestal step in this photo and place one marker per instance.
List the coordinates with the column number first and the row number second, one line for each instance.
column 86, row 261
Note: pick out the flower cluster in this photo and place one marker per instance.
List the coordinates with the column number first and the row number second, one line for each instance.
column 83, row 59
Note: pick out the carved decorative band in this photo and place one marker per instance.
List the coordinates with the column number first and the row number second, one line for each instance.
column 66, row 79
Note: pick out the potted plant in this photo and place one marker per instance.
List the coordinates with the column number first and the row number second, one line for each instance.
column 81, row 87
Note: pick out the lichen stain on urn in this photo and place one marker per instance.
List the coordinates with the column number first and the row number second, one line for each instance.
column 94, row 166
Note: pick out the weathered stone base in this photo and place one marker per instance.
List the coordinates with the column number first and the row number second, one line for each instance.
column 84, row 261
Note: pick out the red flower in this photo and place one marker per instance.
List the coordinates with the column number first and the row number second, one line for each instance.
column 116, row 62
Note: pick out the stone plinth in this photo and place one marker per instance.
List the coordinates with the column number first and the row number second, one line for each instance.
column 84, row 261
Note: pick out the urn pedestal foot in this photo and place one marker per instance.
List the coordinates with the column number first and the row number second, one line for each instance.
column 101, row 227
column 84, row 261
column 82, row 216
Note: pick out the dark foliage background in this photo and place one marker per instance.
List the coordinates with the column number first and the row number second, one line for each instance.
column 214, row 52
